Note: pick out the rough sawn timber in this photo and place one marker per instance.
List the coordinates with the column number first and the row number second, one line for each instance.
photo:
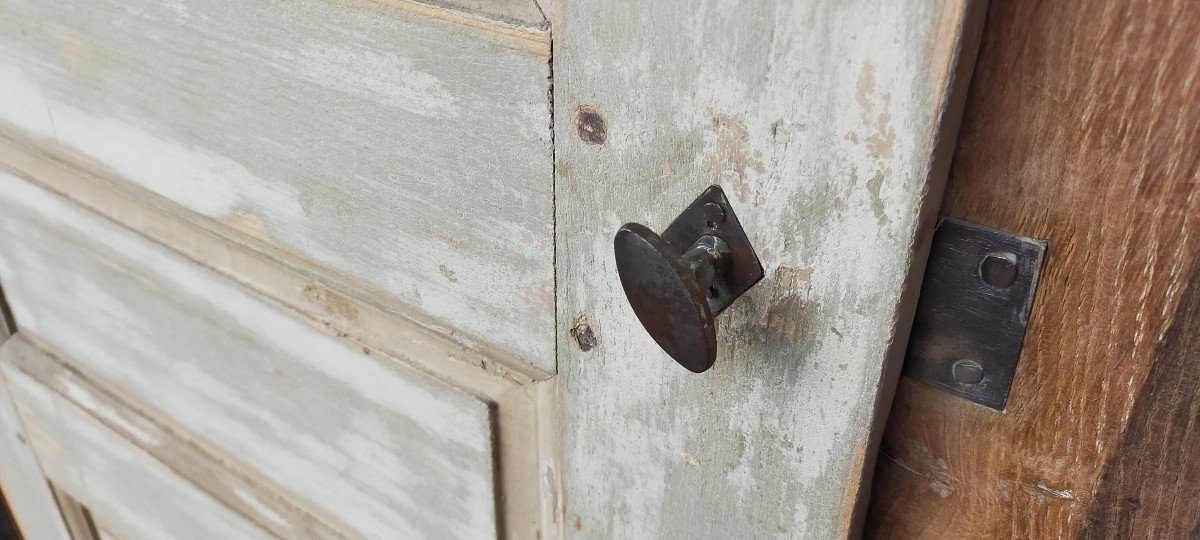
column 1083, row 128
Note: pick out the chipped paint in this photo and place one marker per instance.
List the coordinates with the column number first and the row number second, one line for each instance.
column 814, row 117
column 730, row 159
column 368, row 435
column 335, row 121
column 331, row 303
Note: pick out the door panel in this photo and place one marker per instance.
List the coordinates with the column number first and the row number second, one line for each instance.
column 127, row 492
column 243, row 493
column 827, row 123
column 401, row 148
column 355, row 437
column 234, row 216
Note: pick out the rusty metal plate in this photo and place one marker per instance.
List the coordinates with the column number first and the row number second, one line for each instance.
column 697, row 220
column 678, row 282
column 974, row 307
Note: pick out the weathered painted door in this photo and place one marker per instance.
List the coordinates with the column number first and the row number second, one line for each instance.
column 339, row 268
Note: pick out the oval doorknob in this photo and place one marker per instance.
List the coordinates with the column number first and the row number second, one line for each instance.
column 679, row 281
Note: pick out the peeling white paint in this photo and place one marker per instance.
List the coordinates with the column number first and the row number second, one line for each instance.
column 364, row 438
column 349, row 136
column 815, row 118
column 374, row 75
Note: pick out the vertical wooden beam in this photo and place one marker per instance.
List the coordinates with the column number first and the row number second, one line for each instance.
column 823, row 121
column 1152, row 486
column 1082, row 127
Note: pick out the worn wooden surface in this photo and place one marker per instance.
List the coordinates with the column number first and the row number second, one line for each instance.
column 821, row 120
column 21, row 481
column 525, row 14
column 519, row 408
column 239, row 492
column 80, row 524
column 350, row 436
column 392, row 146
column 131, row 494
column 7, row 325
column 1151, row 486
column 1082, row 127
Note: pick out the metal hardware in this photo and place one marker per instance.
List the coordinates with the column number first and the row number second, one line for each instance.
column 975, row 301
column 679, row 281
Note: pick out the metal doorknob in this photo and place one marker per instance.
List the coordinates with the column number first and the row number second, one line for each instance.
column 677, row 282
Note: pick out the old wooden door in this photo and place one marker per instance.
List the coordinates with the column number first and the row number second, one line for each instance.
column 339, row 268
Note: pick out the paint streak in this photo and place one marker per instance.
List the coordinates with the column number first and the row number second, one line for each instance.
column 731, row 160
column 450, row 274
column 331, row 303
column 875, row 115
column 76, row 50
column 250, row 223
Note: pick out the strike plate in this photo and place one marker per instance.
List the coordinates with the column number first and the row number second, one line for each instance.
column 712, row 214
column 974, row 307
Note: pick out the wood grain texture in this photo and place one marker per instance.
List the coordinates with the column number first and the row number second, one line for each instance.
column 134, row 496
column 1151, row 488
column 526, row 14
column 266, row 508
column 25, row 492
column 350, row 437
column 821, row 120
column 21, row 481
column 1082, row 127
column 340, row 313
column 403, row 155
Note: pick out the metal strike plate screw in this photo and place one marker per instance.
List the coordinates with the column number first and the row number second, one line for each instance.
column 998, row 269
column 967, row 372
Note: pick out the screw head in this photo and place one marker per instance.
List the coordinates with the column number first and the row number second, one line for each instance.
column 714, row 213
column 998, row 269
column 967, row 372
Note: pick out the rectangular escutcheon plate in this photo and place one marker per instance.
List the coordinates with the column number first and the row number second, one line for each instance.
column 975, row 301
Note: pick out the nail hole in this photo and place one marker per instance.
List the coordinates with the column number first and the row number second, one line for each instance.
column 712, row 225
column 712, row 292
column 999, row 269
